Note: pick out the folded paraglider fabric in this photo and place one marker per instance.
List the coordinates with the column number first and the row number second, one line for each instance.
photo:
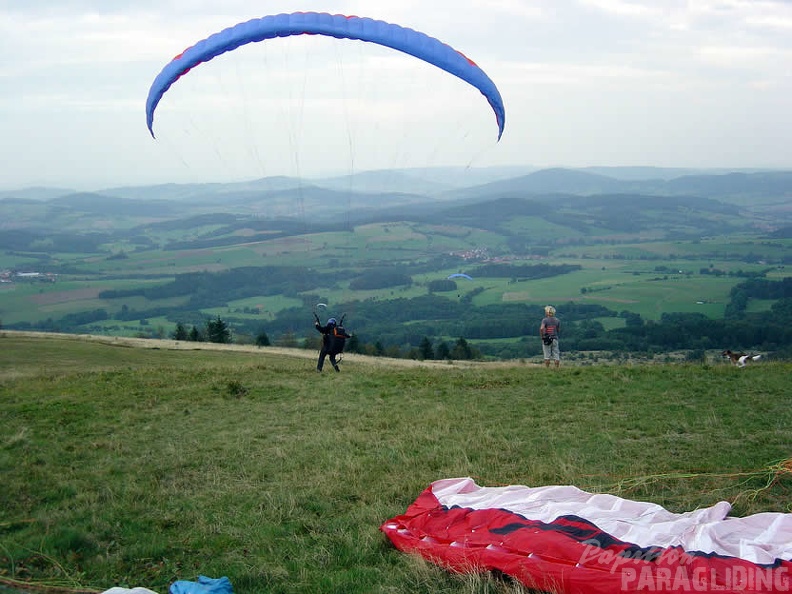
column 204, row 585
column 565, row 540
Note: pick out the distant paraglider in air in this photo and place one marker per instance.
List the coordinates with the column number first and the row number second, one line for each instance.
column 459, row 275
column 390, row 35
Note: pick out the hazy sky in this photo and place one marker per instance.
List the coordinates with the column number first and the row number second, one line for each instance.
column 697, row 83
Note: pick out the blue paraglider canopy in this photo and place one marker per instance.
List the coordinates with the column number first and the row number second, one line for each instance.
column 403, row 39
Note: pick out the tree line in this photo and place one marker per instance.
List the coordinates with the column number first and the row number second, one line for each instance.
column 402, row 327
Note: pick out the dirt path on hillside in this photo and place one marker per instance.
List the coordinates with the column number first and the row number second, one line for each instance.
column 154, row 343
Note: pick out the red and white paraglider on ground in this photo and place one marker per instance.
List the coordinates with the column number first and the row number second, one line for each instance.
column 564, row 540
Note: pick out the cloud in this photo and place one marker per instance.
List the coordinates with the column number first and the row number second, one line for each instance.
column 579, row 78
column 625, row 7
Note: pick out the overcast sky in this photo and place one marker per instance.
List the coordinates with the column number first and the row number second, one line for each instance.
column 697, row 83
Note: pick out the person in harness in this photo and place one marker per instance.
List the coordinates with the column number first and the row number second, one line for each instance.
column 333, row 341
column 549, row 331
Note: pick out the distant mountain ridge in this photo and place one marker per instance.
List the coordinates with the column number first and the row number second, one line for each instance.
column 416, row 194
column 449, row 182
column 768, row 186
column 529, row 210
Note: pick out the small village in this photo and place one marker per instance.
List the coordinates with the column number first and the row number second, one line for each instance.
column 16, row 276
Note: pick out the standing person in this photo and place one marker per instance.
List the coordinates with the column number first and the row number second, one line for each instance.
column 333, row 341
column 549, row 331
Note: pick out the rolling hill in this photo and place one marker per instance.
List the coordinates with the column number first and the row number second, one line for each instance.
column 616, row 251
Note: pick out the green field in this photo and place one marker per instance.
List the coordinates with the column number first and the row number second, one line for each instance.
column 652, row 277
column 141, row 462
column 39, row 301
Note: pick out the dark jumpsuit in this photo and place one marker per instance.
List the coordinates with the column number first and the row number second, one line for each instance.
column 333, row 342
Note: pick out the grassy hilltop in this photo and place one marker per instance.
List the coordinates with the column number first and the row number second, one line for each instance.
column 140, row 462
